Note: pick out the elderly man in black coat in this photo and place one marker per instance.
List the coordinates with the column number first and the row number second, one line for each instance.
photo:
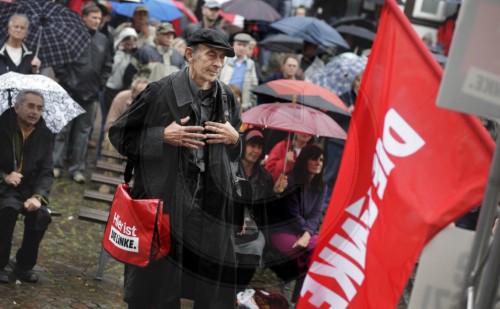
column 25, row 183
column 181, row 132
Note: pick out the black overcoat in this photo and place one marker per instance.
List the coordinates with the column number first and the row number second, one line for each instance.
column 160, row 169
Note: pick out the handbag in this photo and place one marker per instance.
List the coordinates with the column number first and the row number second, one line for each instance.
column 137, row 231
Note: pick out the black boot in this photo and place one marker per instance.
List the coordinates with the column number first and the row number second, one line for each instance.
column 4, row 277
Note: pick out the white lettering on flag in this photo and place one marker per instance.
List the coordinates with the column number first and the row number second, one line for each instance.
column 399, row 140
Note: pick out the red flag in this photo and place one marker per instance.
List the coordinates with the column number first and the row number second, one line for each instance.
column 409, row 168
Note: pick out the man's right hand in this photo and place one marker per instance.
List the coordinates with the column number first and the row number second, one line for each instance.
column 13, row 179
column 184, row 136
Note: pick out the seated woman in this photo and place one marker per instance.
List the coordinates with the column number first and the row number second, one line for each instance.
column 296, row 234
column 250, row 242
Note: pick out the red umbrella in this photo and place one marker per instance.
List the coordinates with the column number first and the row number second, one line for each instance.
column 182, row 7
column 234, row 19
column 303, row 92
column 293, row 117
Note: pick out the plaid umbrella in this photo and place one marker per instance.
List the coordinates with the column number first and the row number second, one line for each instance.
column 339, row 74
column 57, row 33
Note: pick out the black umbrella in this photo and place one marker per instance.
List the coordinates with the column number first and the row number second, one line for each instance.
column 251, row 10
column 356, row 21
column 57, row 33
column 356, row 31
column 283, row 43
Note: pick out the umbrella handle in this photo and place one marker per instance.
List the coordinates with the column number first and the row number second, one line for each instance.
column 39, row 41
column 9, row 96
column 286, row 152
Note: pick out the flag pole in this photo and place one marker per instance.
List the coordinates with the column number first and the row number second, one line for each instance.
column 479, row 253
column 488, row 287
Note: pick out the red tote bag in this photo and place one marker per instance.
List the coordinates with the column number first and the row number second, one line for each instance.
column 137, row 232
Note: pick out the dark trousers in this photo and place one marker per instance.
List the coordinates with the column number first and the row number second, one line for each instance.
column 203, row 280
column 247, row 265
column 28, row 252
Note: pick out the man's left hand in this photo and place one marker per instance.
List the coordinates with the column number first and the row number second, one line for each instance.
column 221, row 133
column 32, row 204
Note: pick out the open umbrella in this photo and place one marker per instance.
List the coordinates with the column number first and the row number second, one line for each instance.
column 233, row 19
column 302, row 92
column 163, row 10
column 185, row 10
column 284, row 43
column 293, row 117
column 310, row 29
column 356, row 21
column 59, row 107
column 57, row 33
column 339, row 74
column 356, row 31
column 251, row 10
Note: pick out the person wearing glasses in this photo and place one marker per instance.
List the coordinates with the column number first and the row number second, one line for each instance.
column 25, row 182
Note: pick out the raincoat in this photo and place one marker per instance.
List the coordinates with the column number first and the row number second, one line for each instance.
column 161, row 170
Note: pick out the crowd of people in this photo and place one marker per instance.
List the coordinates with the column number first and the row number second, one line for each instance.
column 172, row 104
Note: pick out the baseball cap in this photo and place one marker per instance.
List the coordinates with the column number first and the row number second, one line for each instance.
column 141, row 8
column 165, row 28
column 212, row 38
column 211, row 4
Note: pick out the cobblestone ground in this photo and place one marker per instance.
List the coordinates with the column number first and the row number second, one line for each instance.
column 68, row 258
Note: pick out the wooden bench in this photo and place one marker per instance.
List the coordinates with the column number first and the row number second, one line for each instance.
column 98, row 215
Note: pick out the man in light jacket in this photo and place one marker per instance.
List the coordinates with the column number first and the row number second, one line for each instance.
column 240, row 71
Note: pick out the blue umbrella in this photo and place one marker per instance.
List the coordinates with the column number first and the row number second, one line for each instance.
column 310, row 29
column 163, row 10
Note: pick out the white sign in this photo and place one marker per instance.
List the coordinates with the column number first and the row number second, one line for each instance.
column 471, row 82
column 441, row 271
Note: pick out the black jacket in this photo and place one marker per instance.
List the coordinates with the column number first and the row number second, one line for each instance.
column 6, row 64
column 36, row 164
column 160, row 170
column 84, row 77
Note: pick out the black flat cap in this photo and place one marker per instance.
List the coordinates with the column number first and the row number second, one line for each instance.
column 212, row 38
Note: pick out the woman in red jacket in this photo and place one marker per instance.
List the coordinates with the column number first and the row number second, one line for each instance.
column 275, row 163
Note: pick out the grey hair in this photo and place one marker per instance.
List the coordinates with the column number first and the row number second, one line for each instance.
column 194, row 48
column 139, row 80
column 20, row 16
column 21, row 96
